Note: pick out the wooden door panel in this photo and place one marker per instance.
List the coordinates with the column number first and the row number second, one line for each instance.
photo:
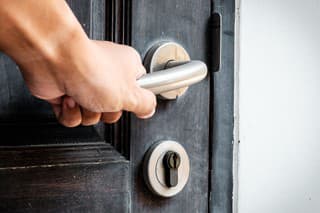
column 186, row 119
column 16, row 103
column 45, row 167
column 91, row 178
column 77, row 171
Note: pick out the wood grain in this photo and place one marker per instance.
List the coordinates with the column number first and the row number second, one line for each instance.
column 45, row 167
column 185, row 120
column 91, row 178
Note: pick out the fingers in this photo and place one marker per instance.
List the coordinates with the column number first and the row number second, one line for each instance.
column 111, row 117
column 68, row 112
column 140, row 72
column 89, row 118
column 137, row 100
column 141, row 102
column 110, row 91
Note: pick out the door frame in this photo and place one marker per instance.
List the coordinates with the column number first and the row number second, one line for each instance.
column 223, row 118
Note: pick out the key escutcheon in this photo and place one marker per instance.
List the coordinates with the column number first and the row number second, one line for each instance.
column 166, row 168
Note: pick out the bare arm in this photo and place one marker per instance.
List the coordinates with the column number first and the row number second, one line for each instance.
column 84, row 80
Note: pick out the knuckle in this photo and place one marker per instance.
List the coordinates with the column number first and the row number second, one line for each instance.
column 113, row 103
column 115, row 106
column 142, row 70
column 134, row 54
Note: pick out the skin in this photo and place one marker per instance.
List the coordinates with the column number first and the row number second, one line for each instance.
column 84, row 80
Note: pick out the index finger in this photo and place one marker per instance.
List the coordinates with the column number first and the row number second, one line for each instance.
column 141, row 102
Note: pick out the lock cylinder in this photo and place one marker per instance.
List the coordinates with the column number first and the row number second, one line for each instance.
column 171, row 163
column 166, row 168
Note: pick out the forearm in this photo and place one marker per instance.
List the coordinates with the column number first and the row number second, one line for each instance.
column 32, row 29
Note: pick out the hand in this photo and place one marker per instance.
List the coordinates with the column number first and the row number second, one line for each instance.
column 85, row 81
column 95, row 82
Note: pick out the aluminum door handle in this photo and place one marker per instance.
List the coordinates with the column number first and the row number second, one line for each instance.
column 171, row 71
column 173, row 78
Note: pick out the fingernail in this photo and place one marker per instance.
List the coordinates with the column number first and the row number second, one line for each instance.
column 149, row 115
column 71, row 103
column 155, row 102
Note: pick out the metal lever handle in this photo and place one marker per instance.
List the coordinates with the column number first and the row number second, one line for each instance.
column 174, row 78
column 171, row 71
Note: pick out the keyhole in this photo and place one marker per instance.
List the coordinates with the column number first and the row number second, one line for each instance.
column 171, row 163
column 174, row 160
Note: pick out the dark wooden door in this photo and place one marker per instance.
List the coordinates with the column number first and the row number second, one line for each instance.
column 45, row 167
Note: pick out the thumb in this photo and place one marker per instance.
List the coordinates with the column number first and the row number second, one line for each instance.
column 142, row 103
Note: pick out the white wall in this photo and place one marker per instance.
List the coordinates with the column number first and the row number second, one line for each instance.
column 279, row 106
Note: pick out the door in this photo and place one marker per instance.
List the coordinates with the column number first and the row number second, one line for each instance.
column 45, row 167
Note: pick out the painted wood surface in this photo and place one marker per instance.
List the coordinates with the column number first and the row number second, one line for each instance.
column 185, row 120
column 222, row 119
column 88, row 175
column 91, row 178
column 45, row 167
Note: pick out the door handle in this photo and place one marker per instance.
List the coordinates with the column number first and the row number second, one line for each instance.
column 171, row 71
column 175, row 77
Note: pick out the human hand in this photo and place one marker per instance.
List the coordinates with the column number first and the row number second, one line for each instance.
column 84, row 80
column 96, row 82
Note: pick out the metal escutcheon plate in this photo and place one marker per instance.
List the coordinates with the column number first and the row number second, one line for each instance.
column 153, row 169
column 158, row 58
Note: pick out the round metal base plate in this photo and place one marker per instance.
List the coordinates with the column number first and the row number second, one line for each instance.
column 158, row 58
column 153, row 169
